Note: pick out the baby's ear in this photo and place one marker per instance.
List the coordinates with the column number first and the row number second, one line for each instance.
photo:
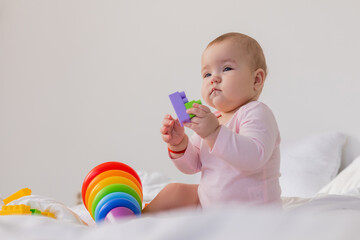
column 259, row 79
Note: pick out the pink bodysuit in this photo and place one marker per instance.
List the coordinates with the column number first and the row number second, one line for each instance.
column 243, row 165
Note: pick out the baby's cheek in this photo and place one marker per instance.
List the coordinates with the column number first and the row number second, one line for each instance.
column 204, row 94
column 208, row 102
column 203, row 89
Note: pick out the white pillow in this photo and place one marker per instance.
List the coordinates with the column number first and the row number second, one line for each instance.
column 152, row 183
column 347, row 182
column 310, row 163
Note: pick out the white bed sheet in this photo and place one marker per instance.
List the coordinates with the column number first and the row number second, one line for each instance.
column 323, row 217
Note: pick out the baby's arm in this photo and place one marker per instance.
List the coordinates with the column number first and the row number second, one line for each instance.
column 252, row 147
column 190, row 162
column 183, row 153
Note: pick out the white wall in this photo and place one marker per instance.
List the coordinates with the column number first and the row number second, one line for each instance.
column 83, row 82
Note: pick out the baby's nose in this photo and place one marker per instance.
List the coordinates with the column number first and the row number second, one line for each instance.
column 215, row 79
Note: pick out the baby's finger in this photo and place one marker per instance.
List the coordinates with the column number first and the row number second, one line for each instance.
column 196, row 111
column 190, row 125
column 167, row 122
column 166, row 138
column 168, row 116
column 203, row 107
column 196, row 120
column 177, row 122
column 165, row 130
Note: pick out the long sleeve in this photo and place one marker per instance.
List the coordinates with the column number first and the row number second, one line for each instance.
column 250, row 146
column 190, row 162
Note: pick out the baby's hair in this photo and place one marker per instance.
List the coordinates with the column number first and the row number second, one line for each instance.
column 249, row 45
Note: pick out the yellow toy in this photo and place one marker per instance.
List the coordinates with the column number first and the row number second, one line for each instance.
column 21, row 193
column 21, row 209
column 15, row 210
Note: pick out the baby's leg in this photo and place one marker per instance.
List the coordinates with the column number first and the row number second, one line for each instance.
column 173, row 196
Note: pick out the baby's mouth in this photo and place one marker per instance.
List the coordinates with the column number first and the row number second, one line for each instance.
column 214, row 90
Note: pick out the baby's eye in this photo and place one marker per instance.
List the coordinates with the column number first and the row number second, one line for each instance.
column 207, row 75
column 228, row 69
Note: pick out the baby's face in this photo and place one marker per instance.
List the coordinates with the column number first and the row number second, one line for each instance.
column 227, row 77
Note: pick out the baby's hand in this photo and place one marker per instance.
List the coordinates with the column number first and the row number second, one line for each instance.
column 205, row 122
column 172, row 132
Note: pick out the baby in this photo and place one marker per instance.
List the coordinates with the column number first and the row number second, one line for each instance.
column 236, row 149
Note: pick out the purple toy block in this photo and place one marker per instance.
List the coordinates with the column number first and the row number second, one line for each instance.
column 178, row 100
